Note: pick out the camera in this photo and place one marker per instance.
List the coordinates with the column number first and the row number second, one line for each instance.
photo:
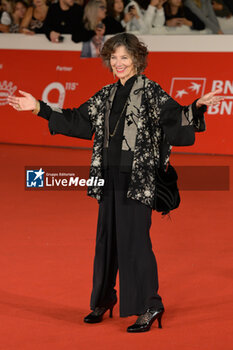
column 61, row 39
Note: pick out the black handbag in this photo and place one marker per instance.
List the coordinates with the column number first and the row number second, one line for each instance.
column 167, row 195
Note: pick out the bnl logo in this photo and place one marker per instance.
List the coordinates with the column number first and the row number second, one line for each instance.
column 35, row 178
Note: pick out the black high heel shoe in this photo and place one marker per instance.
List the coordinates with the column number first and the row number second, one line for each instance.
column 97, row 315
column 144, row 322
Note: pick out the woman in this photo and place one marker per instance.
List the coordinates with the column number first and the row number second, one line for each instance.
column 33, row 21
column 204, row 11
column 136, row 22
column 177, row 15
column 115, row 9
column 147, row 16
column 20, row 8
column 96, row 24
column 94, row 15
column 129, row 119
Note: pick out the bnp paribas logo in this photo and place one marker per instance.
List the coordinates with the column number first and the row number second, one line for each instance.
column 187, row 87
column 35, row 178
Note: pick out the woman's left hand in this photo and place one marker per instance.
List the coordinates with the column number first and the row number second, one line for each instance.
column 210, row 99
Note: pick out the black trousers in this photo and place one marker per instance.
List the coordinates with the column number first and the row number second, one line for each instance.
column 123, row 243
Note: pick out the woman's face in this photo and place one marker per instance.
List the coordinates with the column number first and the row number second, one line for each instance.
column 176, row 3
column 122, row 64
column 6, row 5
column 101, row 14
column 20, row 9
column 118, row 6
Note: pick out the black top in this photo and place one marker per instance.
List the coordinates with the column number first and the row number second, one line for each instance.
column 115, row 142
column 225, row 12
column 112, row 26
column 229, row 4
column 63, row 22
column 185, row 12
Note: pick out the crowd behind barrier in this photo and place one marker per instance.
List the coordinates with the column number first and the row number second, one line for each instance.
column 89, row 21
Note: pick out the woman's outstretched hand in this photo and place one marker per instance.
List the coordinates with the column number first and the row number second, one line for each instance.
column 210, row 99
column 25, row 103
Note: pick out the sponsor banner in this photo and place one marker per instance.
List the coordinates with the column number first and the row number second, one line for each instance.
column 65, row 80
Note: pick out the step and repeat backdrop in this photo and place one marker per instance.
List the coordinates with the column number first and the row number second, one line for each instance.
column 185, row 67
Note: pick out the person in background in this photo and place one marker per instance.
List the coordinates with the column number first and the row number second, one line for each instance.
column 62, row 18
column 146, row 15
column 115, row 9
column 136, row 22
column 94, row 14
column 5, row 16
column 177, row 14
column 154, row 16
column 19, row 11
column 220, row 9
column 204, row 11
column 96, row 24
column 224, row 16
column 33, row 21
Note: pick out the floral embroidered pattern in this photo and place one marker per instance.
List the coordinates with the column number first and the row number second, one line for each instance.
column 148, row 138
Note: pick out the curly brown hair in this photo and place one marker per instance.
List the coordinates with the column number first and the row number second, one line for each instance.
column 135, row 48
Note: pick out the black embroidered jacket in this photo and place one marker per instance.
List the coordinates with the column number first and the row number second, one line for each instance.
column 154, row 123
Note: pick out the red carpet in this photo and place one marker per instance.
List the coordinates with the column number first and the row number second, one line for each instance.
column 46, row 257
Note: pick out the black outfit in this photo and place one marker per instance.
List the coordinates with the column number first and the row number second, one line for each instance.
column 36, row 25
column 114, row 151
column 185, row 12
column 123, row 242
column 112, row 26
column 229, row 4
column 64, row 22
column 123, row 239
